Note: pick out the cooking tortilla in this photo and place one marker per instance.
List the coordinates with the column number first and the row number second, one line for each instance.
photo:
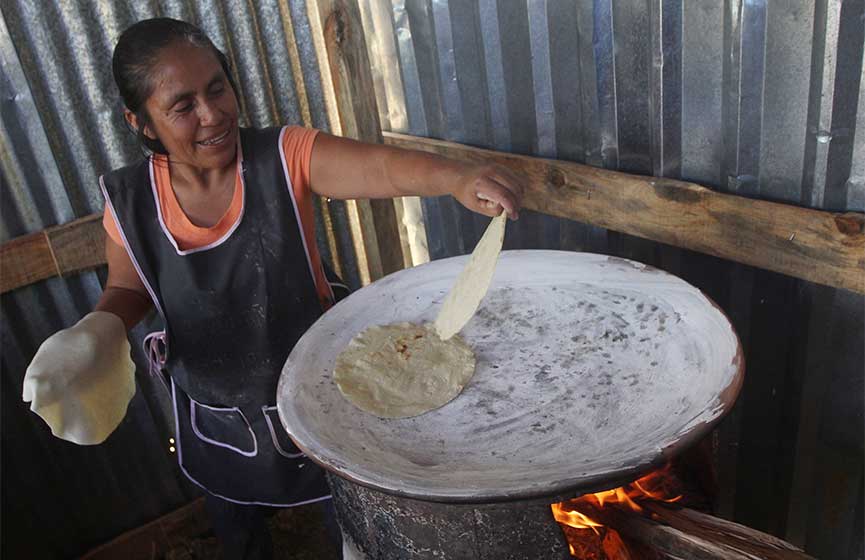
column 473, row 282
column 404, row 370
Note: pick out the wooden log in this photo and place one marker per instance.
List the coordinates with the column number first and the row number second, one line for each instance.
column 676, row 533
column 815, row 245
column 354, row 92
column 606, row 544
column 55, row 251
column 728, row 534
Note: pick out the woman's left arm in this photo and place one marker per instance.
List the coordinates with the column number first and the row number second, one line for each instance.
column 342, row 168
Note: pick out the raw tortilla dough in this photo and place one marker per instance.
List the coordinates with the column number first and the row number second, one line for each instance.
column 402, row 370
column 82, row 379
column 473, row 282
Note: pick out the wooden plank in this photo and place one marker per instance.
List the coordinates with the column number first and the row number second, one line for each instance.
column 78, row 245
column 296, row 67
column 400, row 206
column 354, row 91
column 365, row 240
column 55, row 251
column 815, row 245
column 25, row 260
column 158, row 537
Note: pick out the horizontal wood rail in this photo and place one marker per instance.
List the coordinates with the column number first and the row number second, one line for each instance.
column 815, row 245
column 56, row 251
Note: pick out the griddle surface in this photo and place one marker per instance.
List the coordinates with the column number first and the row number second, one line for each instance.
column 589, row 368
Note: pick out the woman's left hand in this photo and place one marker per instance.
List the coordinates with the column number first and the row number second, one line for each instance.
column 487, row 189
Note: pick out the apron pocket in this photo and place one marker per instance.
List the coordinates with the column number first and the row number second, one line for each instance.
column 224, row 427
column 281, row 441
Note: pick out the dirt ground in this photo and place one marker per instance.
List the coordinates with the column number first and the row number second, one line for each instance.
column 298, row 534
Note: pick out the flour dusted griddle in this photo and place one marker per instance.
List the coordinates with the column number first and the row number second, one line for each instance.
column 589, row 369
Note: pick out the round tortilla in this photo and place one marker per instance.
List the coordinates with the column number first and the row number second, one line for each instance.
column 403, row 370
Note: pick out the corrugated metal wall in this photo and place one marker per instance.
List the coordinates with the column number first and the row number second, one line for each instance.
column 762, row 98
column 61, row 128
column 756, row 97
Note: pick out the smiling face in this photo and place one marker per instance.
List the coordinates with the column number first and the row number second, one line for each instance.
column 192, row 109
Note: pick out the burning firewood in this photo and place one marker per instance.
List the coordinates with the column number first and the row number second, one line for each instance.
column 685, row 533
column 668, row 532
column 606, row 544
column 639, row 521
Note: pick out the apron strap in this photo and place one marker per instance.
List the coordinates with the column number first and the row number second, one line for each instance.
column 156, row 350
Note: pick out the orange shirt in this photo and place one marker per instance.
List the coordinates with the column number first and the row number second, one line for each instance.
column 297, row 145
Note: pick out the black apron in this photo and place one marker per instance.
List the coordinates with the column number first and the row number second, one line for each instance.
column 232, row 312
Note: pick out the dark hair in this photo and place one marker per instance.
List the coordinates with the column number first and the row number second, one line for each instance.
column 135, row 56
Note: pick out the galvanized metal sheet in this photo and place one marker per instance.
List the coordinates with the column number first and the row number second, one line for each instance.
column 760, row 98
column 61, row 127
column 744, row 71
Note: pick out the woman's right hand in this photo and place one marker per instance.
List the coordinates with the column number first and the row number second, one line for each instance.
column 82, row 379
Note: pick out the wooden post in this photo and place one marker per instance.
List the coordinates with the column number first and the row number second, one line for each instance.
column 344, row 48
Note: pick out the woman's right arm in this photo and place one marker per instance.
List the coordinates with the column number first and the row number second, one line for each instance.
column 124, row 294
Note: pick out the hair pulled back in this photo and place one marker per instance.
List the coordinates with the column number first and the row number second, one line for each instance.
column 136, row 56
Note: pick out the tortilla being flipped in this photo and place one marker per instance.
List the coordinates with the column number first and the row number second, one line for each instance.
column 473, row 282
column 404, row 370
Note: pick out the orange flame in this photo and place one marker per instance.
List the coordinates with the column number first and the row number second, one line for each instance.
column 652, row 486
column 574, row 518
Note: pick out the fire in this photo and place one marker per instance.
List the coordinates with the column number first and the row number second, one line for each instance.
column 656, row 485
column 574, row 518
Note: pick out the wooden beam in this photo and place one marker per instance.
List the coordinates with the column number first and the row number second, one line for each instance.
column 56, row 251
column 345, row 49
column 78, row 245
column 815, row 245
column 26, row 260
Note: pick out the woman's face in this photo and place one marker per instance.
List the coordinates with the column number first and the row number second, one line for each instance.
column 193, row 109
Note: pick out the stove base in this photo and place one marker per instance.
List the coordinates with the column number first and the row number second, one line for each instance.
column 385, row 527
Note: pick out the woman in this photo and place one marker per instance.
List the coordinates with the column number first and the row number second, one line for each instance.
column 215, row 230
